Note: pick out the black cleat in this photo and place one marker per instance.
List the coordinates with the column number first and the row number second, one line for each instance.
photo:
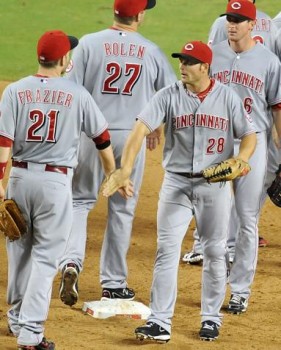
column 118, row 293
column 209, row 331
column 152, row 331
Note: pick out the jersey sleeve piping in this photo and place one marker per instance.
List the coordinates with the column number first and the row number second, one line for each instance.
column 93, row 136
column 145, row 123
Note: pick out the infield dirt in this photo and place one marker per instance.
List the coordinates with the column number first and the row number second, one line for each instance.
column 70, row 329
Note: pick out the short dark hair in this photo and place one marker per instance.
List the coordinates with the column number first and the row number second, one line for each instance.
column 125, row 20
column 50, row 64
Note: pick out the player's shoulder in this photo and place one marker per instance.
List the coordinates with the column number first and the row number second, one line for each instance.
column 220, row 21
column 263, row 15
column 225, row 92
column 222, row 45
column 93, row 37
column 264, row 50
column 19, row 84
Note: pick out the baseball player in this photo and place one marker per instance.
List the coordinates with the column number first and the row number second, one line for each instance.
column 122, row 70
column 42, row 117
column 264, row 31
column 202, row 117
column 254, row 73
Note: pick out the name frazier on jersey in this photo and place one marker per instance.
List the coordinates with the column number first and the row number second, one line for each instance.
column 124, row 50
column 240, row 78
column 57, row 97
column 204, row 120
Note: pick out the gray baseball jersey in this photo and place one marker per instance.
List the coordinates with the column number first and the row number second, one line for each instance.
column 264, row 31
column 114, row 66
column 122, row 70
column 257, row 82
column 44, row 118
column 40, row 114
column 277, row 20
column 195, row 139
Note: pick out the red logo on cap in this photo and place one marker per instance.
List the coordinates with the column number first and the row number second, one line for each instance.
column 189, row 46
column 236, row 6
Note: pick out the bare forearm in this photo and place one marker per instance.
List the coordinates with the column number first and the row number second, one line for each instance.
column 247, row 147
column 277, row 121
column 132, row 147
column 107, row 159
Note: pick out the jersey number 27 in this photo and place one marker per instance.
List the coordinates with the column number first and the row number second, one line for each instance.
column 115, row 71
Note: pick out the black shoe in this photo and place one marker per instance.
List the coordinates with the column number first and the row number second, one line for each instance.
column 118, row 293
column 44, row 345
column 209, row 331
column 69, row 284
column 152, row 331
column 237, row 304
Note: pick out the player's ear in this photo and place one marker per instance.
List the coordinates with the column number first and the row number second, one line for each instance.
column 140, row 16
column 252, row 24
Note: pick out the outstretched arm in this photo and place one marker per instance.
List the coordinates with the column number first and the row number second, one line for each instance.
column 4, row 156
column 120, row 179
column 247, row 147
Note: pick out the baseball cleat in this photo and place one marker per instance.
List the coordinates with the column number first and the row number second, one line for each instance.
column 209, row 331
column 44, row 345
column 118, row 293
column 153, row 332
column 69, row 285
column 237, row 304
column 193, row 258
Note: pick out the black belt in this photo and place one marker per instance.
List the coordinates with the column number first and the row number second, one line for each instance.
column 190, row 175
column 51, row 168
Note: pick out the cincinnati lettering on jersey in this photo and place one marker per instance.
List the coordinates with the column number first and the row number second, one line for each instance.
column 200, row 120
column 56, row 97
column 124, row 50
column 240, row 78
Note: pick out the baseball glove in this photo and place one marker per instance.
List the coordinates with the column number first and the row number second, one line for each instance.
column 226, row 170
column 274, row 190
column 12, row 223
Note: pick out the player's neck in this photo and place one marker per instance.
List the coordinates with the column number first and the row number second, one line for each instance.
column 125, row 27
column 242, row 45
column 199, row 86
column 50, row 73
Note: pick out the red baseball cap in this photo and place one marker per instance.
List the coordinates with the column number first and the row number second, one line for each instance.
column 130, row 8
column 241, row 9
column 54, row 44
column 196, row 50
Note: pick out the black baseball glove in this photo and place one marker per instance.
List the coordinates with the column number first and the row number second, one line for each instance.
column 274, row 190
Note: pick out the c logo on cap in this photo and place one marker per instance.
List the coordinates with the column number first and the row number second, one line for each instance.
column 189, row 46
column 236, row 5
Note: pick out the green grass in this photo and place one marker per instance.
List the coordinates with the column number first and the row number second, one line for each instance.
column 170, row 24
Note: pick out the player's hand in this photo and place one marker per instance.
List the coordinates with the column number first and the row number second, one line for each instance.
column 153, row 139
column 118, row 181
column 275, row 137
column 2, row 192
